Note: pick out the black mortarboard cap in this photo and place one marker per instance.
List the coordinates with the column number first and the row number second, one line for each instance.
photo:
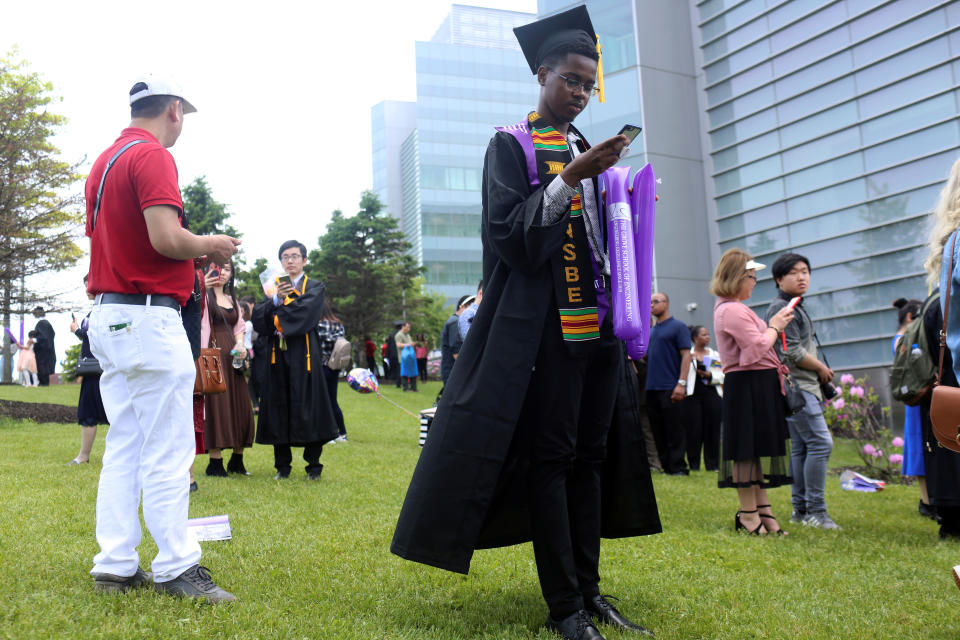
column 539, row 38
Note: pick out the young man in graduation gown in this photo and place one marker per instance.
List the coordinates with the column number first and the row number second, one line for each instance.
column 294, row 407
column 518, row 446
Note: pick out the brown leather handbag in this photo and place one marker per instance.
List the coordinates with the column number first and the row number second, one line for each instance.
column 945, row 402
column 210, row 378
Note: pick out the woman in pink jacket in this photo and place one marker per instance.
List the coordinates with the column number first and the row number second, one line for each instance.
column 753, row 445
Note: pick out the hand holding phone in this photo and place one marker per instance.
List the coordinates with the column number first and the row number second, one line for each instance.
column 793, row 302
column 630, row 132
column 284, row 286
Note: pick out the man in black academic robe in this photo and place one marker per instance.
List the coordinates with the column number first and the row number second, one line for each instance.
column 295, row 409
column 518, row 449
column 43, row 348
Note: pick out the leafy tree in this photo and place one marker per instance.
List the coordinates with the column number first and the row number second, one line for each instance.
column 40, row 204
column 426, row 312
column 69, row 362
column 368, row 270
column 247, row 281
column 205, row 215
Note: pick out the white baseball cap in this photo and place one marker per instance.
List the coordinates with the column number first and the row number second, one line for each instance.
column 752, row 264
column 151, row 85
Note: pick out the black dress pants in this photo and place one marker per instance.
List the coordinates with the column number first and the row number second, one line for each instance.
column 332, row 379
column 283, row 457
column 669, row 431
column 565, row 419
column 704, row 410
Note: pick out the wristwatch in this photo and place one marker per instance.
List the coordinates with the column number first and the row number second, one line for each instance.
column 683, row 382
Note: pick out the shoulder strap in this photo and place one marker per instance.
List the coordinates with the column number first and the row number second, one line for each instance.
column 96, row 207
column 946, row 310
column 521, row 131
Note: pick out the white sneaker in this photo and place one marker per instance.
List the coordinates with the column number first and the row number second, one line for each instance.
column 820, row 520
column 341, row 439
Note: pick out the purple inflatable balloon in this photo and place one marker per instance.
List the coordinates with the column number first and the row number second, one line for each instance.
column 643, row 202
column 623, row 271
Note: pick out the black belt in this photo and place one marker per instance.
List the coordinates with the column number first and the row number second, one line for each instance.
column 139, row 299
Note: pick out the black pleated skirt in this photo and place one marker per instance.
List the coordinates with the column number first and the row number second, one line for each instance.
column 90, row 411
column 754, row 428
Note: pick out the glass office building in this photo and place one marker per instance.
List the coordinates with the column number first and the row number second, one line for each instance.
column 831, row 126
column 471, row 76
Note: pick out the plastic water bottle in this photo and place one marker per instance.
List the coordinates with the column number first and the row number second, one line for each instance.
column 238, row 357
column 916, row 351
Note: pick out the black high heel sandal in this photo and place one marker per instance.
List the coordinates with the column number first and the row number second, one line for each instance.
column 737, row 525
column 779, row 532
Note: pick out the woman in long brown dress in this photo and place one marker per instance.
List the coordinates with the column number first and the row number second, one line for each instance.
column 228, row 420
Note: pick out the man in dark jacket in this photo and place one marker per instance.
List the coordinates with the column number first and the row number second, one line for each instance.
column 295, row 407
column 450, row 340
column 516, row 450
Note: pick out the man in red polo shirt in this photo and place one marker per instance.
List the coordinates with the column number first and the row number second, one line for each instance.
column 141, row 272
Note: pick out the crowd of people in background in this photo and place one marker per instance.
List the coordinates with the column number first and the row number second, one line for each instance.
column 727, row 410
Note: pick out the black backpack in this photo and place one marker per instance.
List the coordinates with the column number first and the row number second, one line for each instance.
column 914, row 372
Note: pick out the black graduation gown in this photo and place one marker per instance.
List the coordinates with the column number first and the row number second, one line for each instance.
column 468, row 487
column 43, row 348
column 294, row 405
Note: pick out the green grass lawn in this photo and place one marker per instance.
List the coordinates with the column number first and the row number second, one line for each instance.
column 311, row 560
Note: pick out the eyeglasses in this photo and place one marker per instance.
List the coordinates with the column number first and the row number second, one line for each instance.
column 752, row 277
column 575, row 85
column 291, row 257
column 658, row 302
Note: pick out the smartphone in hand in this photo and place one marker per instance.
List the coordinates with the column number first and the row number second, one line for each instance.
column 631, row 131
column 793, row 303
column 284, row 279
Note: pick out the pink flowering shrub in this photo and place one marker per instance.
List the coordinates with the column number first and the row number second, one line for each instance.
column 856, row 413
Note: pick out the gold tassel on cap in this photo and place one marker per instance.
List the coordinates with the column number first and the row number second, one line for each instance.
column 600, row 96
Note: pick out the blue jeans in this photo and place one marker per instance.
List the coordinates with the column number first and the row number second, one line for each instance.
column 810, row 447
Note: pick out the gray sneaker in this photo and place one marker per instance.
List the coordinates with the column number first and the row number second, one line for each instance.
column 798, row 516
column 820, row 520
column 195, row 582
column 118, row 584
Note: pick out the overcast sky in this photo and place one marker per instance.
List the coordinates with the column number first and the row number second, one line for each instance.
column 283, row 91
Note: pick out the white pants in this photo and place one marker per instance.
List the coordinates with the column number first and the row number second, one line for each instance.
column 147, row 389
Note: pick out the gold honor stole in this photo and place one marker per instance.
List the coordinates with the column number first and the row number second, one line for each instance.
column 572, row 267
column 293, row 295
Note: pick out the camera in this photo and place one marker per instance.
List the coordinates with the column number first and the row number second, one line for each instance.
column 828, row 391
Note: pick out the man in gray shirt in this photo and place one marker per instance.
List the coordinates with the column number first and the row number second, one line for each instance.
column 810, row 439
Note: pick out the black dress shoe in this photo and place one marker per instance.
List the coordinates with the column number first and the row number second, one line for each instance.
column 215, row 468
column 576, row 626
column 236, row 465
column 606, row 613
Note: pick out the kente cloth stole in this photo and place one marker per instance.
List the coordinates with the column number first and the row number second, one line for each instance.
column 547, row 153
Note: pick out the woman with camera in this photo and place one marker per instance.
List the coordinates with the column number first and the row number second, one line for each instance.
column 753, row 448
column 228, row 419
